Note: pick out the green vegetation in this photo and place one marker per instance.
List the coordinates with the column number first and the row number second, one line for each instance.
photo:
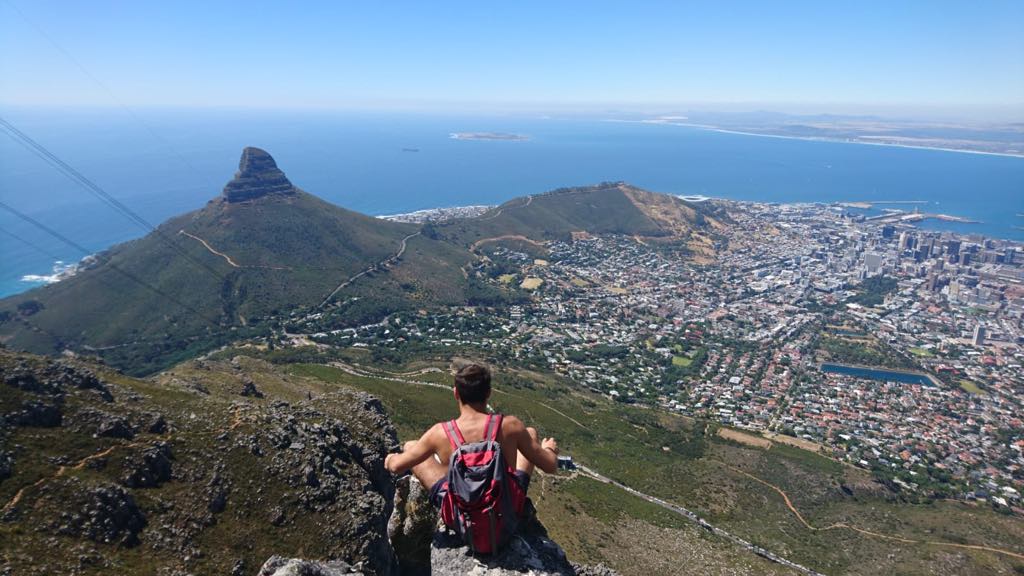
column 608, row 208
column 289, row 252
column 971, row 387
column 671, row 457
column 872, row 291
column 608, row 504
column 282, row 255
column 865, row 353
column 681, row 361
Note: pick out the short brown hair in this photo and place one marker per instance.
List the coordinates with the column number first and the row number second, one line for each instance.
column 473, row 383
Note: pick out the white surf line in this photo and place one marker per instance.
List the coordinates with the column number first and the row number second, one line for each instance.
column 837, row 140
column 210, row 248
column 700, row 521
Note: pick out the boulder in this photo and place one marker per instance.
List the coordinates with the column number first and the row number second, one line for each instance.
column 149, row 469
column 412, row 525
column 109, row 515
column 529, row 553
column 112, row 426
column 278, row 566
column 39, row 415
column 249, row 388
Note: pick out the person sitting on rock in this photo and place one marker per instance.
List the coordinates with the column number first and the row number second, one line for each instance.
column 518, row 445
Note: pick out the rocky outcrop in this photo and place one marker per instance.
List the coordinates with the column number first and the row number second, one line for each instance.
column 257, row 176
column 278, row 566
column 424, row 547
column 108, row 515
column 38, row 414
column 54, row 380
column 530, row 553
column 249, row 388
column 412, row 526
column 150, row 468
column 200, row 484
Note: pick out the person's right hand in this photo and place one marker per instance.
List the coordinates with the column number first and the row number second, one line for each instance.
column 550, row 444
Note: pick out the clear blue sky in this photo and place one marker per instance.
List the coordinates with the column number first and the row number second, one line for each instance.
column 816, row 55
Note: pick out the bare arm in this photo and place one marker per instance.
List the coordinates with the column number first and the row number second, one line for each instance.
column 419, row 451
column 543, row 454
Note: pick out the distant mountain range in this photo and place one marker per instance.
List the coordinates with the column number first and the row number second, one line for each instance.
column 264, row 249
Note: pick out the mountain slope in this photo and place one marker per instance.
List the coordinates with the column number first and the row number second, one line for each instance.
column 264, row 251
column 608, row 208
column 104, row 474
column 262, row 248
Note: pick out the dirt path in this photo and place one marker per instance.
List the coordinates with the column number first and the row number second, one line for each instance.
column 693, row 517
column 210, row 248
column 505, row 237
column 500, row 210
column 364, row 374
column 385, row 262
column 838, row 525
column 227, row 258
column 60, row 472
column 237, row 420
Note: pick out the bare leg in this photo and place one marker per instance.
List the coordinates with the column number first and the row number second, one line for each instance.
column 429, row 471
column 521, row 462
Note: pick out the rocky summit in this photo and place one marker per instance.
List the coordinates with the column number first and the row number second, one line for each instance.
column 257, row 176
column 184, row 474
column 424, row 547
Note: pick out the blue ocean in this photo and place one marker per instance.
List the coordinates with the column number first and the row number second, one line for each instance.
column 164, row 162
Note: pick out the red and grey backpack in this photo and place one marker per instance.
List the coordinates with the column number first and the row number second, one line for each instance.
column 484, row 501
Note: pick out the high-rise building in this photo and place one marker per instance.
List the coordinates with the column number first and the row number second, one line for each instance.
column 872, row 263
column 906, row 240
column 888, row 231
column 979, row 336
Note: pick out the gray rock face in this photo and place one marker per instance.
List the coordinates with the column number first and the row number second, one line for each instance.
column 150, row 468
column 412, row 526
column 38, row 414
column 278, row 566
column 109, row 515
column 424, row 547
column 257, row 176
column 529, row 553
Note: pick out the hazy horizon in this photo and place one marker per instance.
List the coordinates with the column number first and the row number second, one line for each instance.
column 918, row 60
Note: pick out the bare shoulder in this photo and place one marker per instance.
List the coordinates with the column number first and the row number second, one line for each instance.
column 512, row 425
column 436, row 431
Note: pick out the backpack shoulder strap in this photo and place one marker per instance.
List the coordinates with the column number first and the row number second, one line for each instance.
column 493, row 427
column 451, row 430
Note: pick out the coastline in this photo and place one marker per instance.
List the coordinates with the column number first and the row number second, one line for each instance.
column 712, row 128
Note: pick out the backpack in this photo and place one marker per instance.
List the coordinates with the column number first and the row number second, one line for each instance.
column 483, row 501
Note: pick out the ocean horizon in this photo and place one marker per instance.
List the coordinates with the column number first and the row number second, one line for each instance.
column 162, row 163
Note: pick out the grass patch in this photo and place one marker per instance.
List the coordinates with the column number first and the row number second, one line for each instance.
column 609, row 504
column 921, row 352
column 531, row 283
column 971, row 387
column 681, row 361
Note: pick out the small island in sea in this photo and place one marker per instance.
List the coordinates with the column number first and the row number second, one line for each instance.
column 488, row 136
